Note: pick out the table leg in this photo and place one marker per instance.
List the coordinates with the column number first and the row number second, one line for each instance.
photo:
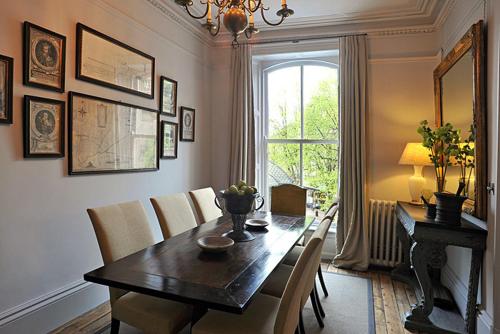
column 402, row 272
column 198, row 312
column 475, row 271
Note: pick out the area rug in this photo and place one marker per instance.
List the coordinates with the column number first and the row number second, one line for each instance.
column 349, row 308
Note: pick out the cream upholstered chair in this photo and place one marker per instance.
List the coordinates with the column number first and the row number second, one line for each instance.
column 123, row 229
column 288, row 199
column 174, row 214
column 276, row 283
column 203, row 200
column 266, row 314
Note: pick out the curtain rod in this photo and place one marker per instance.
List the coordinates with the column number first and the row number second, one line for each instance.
column 300, row 39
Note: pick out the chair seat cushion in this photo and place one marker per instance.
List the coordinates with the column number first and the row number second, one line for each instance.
column 151, row 314
column 258, row 318
column 292, row 257
column 276, row 282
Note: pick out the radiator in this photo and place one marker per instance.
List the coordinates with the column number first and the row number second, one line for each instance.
column 385, row 248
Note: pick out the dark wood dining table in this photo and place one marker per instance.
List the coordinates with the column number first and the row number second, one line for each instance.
column 178, row 270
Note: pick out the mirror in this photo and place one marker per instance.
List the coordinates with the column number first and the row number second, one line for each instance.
column 459, row 86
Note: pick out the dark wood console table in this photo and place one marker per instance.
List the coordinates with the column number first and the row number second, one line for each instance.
column 424, row 242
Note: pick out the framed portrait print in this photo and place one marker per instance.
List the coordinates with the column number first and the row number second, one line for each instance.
column 43, row 127
column 107, row 136
column 168, row 96
column 44, row 58
column 187, row 124
column 6, row 84
column 169, row 141
column 106, row 61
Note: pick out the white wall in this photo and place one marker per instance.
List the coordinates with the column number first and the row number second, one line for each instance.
column 46, row 239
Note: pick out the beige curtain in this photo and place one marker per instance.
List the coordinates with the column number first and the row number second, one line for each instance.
column 352, row 228
column 242, row 153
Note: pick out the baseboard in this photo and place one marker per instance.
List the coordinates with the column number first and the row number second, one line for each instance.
column 44, row 313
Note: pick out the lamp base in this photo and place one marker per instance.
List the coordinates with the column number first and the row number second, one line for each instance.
column 416, row 184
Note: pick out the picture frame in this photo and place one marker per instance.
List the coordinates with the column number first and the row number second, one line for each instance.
column 107, row 136
column 43, row 127
column 168, row 96
column 44, row 58
column 187, row 127
column 105, row 61
column 6, row 88
column 169, row 140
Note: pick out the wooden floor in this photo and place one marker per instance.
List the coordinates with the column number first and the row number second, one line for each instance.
column 391, row 298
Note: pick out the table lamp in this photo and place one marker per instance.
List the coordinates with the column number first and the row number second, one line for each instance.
column 418, row 156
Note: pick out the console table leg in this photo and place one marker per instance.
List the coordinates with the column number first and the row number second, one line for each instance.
column 475, row 271
column 403, row 271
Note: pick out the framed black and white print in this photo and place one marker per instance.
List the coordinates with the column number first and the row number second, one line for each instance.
column 107, row 136
column 44, row 58
column 105, row 61
column 187, row 124
column 6, row 84
column 168, row 96
column 169, row 141
column 43, row 127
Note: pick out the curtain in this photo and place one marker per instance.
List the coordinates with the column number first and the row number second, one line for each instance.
column 352, row 228
column 242, row 152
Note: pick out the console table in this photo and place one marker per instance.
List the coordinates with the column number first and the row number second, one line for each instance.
column 424, row 242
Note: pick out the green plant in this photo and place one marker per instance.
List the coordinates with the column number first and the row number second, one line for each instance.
column 444, row 144
column 465, row 158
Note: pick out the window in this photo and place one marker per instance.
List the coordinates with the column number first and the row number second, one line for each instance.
column 300, row 125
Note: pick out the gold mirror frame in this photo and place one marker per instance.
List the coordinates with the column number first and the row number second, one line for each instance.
column 473, row 40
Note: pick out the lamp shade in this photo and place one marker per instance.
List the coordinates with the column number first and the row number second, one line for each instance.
column 415, row 154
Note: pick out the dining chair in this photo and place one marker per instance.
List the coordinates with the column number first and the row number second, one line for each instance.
column 288, row 199
column 203, row 200
column 123, row 229
column 174, row 214
column 276, row 283
column 294, row 254
column 266, row 314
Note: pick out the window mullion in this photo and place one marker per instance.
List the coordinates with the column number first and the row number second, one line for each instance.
column 301, row 124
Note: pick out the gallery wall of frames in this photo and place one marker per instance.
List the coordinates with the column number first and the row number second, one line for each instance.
column 103, row 135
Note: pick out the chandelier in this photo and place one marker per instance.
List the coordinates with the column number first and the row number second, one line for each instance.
column 234, row 13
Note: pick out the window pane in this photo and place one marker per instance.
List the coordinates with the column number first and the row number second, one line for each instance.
column 321, row 171
column 283, row 95
column 320, row 102
column 283, row 165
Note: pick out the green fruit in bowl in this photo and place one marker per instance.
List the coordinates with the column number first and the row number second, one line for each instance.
column 233, row 189
column 243, row 188
column 241, row 192
column 249, row 191
column 242, row 184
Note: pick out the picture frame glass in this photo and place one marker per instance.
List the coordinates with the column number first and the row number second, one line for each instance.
column 169, row 140
column 169, row 97
column 44, row 133
column 107, row 136
column 188, row 119
column 4, row 80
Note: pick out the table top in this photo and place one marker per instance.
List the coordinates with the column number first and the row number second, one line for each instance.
column 177, row 269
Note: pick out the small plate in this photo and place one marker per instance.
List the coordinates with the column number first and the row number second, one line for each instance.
column 215, row 244
column 256, row 223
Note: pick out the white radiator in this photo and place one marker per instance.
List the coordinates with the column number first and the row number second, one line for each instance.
column 385, row 248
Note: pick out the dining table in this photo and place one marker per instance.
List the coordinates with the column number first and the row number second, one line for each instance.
column 177, row 269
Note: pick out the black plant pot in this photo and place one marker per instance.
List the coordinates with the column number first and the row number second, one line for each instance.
column 449, row 208
column 431, row 211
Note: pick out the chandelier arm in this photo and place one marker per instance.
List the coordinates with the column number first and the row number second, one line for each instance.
column 216, row 32
column 197, row 17
column 268, row 22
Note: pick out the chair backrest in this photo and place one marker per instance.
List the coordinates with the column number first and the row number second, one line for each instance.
column 288, row 199
column 287, row 318
column 174, row 214
column 203, row 200
column 121, row 229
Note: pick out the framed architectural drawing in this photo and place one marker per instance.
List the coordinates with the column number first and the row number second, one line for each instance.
column 168, row 96
column 105, row 61
column 44, row 127
column 44, row 58
column 6, row 84
column 187, row 124
column 107, row 136
column 169, row 142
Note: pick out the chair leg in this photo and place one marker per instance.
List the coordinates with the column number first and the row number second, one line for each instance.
column 322, row 281
column 316, row 311
column 301, row 323
column 115, row 326
column 320, row 307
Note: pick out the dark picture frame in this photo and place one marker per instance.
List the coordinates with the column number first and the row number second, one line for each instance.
column 84, row 67
column 44, row 58
column 164, row 81
column 102, row 116
column 6, row 89
column 40, row 120
column 187, row 124
column 164, row 128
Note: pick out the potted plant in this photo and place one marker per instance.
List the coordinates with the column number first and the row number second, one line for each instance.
column 465, row 160
column 444, row 145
